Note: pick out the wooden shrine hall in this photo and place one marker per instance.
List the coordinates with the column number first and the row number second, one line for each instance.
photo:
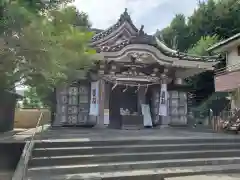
column 137, row 82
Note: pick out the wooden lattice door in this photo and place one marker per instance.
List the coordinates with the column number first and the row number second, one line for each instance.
column 73, row 105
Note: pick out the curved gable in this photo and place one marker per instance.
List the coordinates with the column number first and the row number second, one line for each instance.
column 149, row 54
column 124, row 28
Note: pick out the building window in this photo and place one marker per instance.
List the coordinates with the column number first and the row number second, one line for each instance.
column 238, row 49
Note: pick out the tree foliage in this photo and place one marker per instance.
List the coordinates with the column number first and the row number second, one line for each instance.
column 200, row 48
column 206, row 78
column 174, row 35
column 42, row 45
column 211, row 21
column 37, row 6
column 31, row 99
column 211, row 18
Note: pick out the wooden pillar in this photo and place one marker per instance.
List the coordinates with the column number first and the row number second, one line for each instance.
column 106, row 94
column 141, row 98
column 106, row 100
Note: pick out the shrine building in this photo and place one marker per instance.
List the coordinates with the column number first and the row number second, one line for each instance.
column 137, row 82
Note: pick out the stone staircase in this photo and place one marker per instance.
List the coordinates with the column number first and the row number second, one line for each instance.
column 133, row 159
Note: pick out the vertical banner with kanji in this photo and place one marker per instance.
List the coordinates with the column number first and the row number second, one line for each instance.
column 163, row 101
column 94, row 104
column 106, row 116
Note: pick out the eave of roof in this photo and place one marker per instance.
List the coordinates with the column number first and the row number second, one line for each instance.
column 224, row 42
column 183, row 56
column 143, row 38
column 97, row 31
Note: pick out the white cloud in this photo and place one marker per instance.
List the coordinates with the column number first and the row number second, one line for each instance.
column 105, row 12
column 101, row 13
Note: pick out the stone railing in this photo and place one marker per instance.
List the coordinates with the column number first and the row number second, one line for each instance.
column 22, row 167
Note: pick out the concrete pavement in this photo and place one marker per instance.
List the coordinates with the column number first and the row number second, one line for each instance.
column 21, row 135
column 208, row 177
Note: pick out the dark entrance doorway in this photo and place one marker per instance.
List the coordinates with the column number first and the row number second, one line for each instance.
column 121, row 98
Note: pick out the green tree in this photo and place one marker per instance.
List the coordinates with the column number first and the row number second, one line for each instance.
column 211, row 18
column 219, row 18
column 202, row 84
column 36, row 6
column 31, row 99
column 200, row 48
column 43, row 50
column 175, row 35
column 201, row 23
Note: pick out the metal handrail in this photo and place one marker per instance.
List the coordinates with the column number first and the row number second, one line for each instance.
column 20, row 172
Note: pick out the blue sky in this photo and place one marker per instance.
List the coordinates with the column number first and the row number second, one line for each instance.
column 153, row 14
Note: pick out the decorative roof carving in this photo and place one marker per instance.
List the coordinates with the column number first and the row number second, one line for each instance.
column 125, row 17
column 141, row 31
column 143, row 38
column 139, row 56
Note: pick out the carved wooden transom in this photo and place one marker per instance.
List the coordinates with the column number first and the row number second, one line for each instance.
column 133, row 71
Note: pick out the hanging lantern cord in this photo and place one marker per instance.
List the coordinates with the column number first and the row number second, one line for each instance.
column 114, row 86
column 125, row 88
column 146, row 90
column 138, row 88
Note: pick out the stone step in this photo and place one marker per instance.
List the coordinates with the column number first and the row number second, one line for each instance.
column 128, row 157
column 121, row 166
column 63, row 151
column 86, row 142
column 151, row 174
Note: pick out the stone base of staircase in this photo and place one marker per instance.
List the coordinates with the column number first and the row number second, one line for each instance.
column 133, row 159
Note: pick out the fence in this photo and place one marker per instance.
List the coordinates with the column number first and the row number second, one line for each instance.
column 218, row 121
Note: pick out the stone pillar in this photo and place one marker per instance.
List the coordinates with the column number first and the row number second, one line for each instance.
column 100, row 118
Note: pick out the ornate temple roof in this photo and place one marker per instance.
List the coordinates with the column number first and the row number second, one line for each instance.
column 125, row 17
column 140, row 37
